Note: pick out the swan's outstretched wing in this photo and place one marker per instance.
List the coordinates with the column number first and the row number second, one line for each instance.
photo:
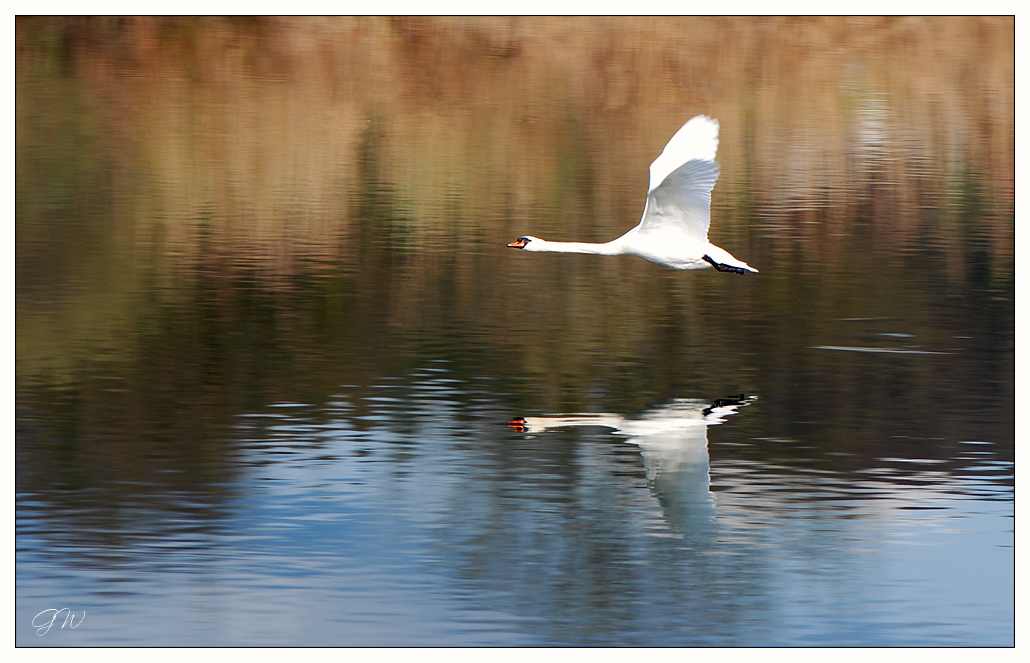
column 679, row 196
column 697, row 139
column 683, row 201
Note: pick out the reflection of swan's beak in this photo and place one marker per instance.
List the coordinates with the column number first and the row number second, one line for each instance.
column 518, row 244
column 518, row 424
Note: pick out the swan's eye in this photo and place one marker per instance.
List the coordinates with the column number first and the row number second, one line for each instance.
column 525, row 239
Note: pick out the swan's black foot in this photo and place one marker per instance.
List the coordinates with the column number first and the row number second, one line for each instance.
column 740, row 399
column 721, row 267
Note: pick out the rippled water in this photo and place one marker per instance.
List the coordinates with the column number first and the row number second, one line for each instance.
column 408, row 513
column 279, row 381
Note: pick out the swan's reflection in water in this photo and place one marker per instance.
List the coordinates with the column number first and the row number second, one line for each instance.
column 673, row 439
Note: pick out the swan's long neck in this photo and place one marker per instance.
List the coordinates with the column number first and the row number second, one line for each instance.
column 612, row 248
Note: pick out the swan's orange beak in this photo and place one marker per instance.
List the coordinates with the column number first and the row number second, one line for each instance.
column 520, row 243
column 518, row 424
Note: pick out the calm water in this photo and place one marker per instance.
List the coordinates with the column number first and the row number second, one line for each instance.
column 269, row 339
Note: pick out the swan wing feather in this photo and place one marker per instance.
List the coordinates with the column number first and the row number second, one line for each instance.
column 683, row 201
column 698, row 138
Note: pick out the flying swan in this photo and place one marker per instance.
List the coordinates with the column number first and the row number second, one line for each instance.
column 674, row 229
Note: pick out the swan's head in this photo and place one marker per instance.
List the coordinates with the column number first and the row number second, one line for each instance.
column 529, row 243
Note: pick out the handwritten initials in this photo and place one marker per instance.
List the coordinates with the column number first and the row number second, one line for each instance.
column 43, row 626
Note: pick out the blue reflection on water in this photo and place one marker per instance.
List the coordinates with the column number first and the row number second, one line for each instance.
column 410, row 514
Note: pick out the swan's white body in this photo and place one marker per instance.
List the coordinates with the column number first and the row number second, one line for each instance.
column 667, row 435
column 673, row 440
column 674, row 228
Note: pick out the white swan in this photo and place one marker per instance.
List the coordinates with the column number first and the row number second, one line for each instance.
column 674, row 229
column 673, row 440
column 667, row 434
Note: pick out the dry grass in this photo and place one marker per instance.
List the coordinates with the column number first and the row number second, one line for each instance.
column 199, row 146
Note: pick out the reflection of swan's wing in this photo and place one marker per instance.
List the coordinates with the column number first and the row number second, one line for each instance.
column 669, row 450
column 678, row 476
